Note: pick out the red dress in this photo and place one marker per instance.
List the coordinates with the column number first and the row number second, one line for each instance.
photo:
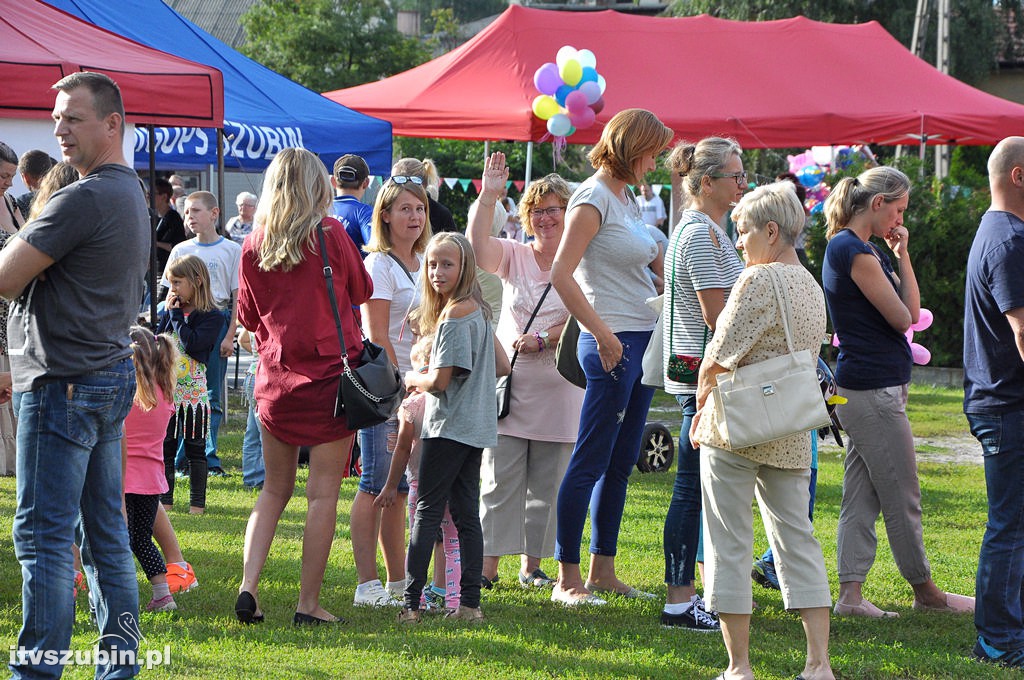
column 300, row 358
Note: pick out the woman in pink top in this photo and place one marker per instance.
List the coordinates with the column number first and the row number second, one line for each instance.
column 519, row 478
column 145, row 426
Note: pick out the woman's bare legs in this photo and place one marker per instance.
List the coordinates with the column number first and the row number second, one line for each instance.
column 281, row 461
column 816, row 624
column 736, row 633
column 327, row 465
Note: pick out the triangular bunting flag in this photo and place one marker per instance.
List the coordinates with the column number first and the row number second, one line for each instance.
column 477, row 184
column 508, row 184
column 464, row 183
column 450, row 182
column 519, row 184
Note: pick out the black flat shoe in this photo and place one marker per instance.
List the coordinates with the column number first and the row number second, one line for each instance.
column 245, row 609
column 309, row 620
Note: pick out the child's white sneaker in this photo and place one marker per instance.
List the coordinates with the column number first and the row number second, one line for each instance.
column 373, row 594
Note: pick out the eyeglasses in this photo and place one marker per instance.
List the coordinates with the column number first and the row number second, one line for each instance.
column 538, row 213
column 402, row 179
column 739, row 177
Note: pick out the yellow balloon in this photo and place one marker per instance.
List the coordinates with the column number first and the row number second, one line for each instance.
column 571, row 73
column 545, row 106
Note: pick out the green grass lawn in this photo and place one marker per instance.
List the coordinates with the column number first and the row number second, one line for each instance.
column 526, row 636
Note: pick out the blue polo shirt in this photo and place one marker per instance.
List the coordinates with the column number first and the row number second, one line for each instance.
column 357, row 218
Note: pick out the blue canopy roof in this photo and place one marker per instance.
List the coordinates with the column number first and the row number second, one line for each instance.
column 263, row 111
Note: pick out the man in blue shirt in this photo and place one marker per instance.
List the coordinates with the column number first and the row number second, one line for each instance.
column 350, row 180
column 994, row 402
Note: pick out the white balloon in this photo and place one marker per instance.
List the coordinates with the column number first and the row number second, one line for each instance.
column 586, row 58
column 565, row 54
column 602, row 83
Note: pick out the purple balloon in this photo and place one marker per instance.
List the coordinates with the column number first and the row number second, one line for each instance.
column 589, row 75
column 576, row 102
column 547, row 78
column 598, row 106
column 562, row 93
column 591, row 90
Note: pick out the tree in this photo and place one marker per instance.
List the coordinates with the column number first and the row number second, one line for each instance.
column 329, row 44
column 973, row 24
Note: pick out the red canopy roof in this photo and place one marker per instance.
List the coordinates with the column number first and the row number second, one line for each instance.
column 787, row 83
column 40, row 44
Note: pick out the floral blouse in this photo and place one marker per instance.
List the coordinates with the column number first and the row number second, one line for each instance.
column 750, row 330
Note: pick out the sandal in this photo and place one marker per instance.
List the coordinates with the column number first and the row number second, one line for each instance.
column 536, row 579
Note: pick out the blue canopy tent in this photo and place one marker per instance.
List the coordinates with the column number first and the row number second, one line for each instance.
column 263, row 111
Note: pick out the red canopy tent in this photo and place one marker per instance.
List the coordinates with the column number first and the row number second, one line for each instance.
column 40, row 44
column 787, row 83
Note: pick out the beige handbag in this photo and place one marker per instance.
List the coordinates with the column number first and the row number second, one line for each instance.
column 771, row 399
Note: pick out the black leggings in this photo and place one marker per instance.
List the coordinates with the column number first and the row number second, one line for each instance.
column 141, row 511
column 195, row 453
column 449, row 475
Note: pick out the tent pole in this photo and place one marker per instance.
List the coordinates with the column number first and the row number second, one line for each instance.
column 220, row 178
column 529, row 163
column 152, row 225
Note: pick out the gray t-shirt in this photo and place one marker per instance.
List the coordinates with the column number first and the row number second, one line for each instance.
column 465, row 412
column 613, row 270
column 76, row 320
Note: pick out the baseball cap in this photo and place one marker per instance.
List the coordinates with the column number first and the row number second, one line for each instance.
column 351, row 169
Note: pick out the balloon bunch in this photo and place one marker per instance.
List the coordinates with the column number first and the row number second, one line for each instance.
column 811, row 166
column 920, row 353
column 571, row 92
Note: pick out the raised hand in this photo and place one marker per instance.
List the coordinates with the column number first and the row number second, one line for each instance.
column 494, row 178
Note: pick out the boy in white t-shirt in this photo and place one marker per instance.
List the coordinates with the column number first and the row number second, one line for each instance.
column 222, row 257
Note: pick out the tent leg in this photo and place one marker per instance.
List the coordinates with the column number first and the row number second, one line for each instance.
column 529, row 163
column 152, row 224
column 220, row 178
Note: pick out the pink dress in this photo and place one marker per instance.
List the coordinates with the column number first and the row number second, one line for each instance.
column 144, row 432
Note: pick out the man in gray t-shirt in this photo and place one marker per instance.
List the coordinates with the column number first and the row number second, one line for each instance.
column 75, row 276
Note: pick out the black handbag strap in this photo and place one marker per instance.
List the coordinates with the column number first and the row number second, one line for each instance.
column 402, row 265
column 329, row 277
column 529, row 323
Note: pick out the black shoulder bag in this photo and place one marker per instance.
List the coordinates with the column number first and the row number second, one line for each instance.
column 370, row 393
column 503, row 387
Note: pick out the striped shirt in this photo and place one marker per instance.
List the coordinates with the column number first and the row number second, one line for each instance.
column 693, row 262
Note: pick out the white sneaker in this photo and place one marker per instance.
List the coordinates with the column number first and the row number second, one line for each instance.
column 373, row 594
column 397, row 588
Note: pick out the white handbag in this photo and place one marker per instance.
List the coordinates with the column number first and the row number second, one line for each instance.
column 771, row 399
column 654, row 360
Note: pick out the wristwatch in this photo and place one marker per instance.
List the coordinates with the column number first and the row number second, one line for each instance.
column 543, row 335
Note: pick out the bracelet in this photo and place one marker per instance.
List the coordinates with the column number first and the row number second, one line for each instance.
column 540, row 342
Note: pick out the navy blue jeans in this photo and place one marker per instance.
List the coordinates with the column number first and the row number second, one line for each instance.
column 999, row 609
column 682, row 522
column 608, row 445
column 69, row 491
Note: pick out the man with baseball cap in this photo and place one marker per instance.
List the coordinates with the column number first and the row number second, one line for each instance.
column 350, row 179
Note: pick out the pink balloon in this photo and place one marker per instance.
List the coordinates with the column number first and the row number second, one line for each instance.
column 547, row 79
column 835, row 339
column 909, row 334
column 591, row 90
column 582, row 119
column 576, row 101
column 924, row 320
column 921, row 355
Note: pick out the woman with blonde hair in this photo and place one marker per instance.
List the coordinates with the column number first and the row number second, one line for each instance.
column 872, row 306
column 520, row 476
column 600, row 273
column 701, row 266
column 399, row 235
column 774, row 305
column 300, row 361
column 426, row 171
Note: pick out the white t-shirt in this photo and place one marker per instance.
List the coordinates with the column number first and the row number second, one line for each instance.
column 652, row 209
column 391, row 283
column 613, row 269
column 222, row 258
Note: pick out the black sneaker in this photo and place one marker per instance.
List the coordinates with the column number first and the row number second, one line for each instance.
column 985, row 652
column 695, row 618
column 217, row 472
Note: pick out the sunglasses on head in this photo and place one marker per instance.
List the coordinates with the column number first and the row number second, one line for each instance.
column 402, row 179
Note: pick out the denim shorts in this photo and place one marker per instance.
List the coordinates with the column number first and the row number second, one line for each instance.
column 376, row 446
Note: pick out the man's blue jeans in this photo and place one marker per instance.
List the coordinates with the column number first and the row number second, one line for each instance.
column 999, row 612
column 69, row 491
column 253, row 470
